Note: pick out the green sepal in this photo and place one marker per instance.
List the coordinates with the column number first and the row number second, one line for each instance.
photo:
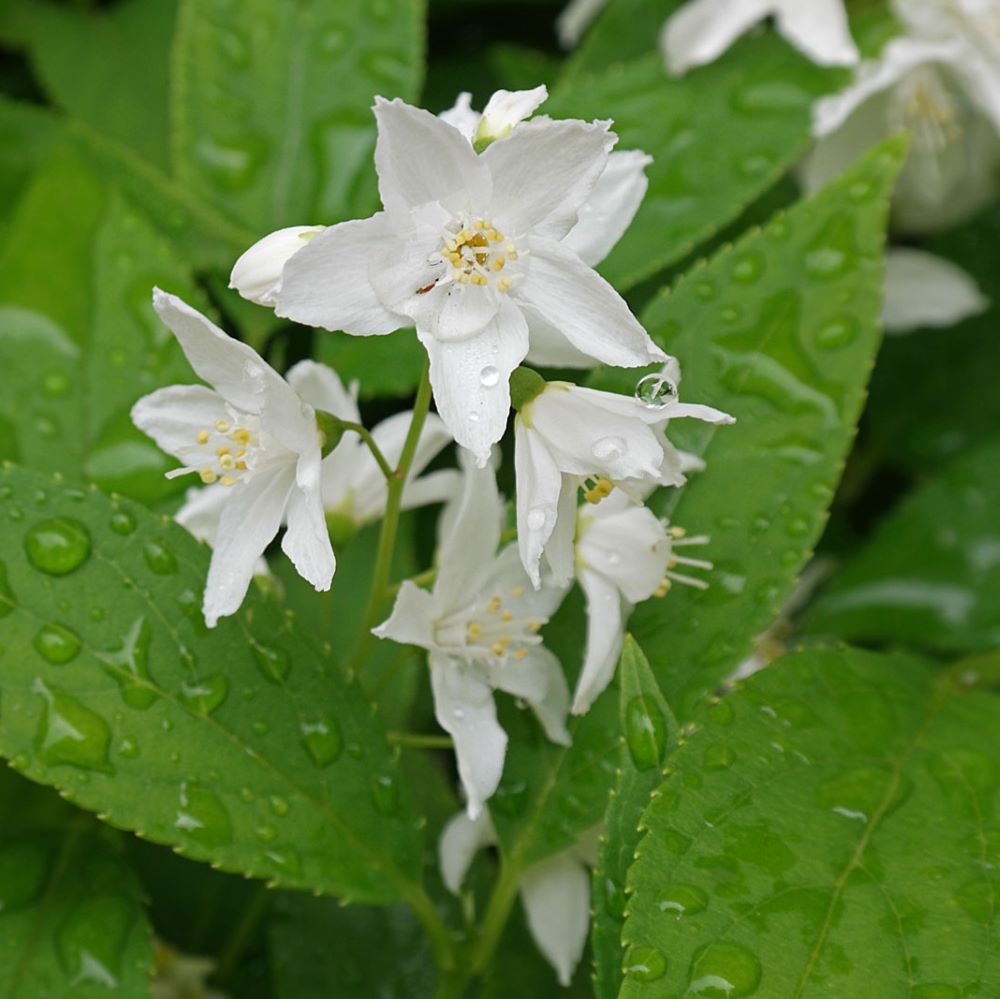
column 525, row 385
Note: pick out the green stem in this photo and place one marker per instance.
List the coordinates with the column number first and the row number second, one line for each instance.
column 376, row 451
column 242, row 934
column 418, row 740
column 390, row 521
column 441, row 940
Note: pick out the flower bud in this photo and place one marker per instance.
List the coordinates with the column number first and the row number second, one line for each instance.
column 257, row 274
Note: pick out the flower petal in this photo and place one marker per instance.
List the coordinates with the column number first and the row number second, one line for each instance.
column 629, row 547
column 539, row 482
column 327, row 283
column 307, row 540
column 556, row 897
column 458, row 844
column 420, row 158
column 612, row 205
column 574, row 20
column 606, row 610
column 461, row 116
column 548, row 347
column 703, row 29
column 411, row 620
column 470, row 379
column 320, row 386
column 543, row 172
column 924, row 290
column 464, row 708
column 437, row 487
column 247, row 526
column 257, row 273
column 559, row 552
column 538, row 679
column 507, row 108
column 578, row 302
column 173, row 416
column 819, row 30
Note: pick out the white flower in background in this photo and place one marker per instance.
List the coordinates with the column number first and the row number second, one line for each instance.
column 624, row 555
column 602, row 219
column 257, row 274
column 923, row 290
column 555, row 892
column 575, row 18
column 941, row 83
column 470, row 249
column 480, row 624
column 703, row 29
column 253, row 434
column 180, row 976
column 567, row 437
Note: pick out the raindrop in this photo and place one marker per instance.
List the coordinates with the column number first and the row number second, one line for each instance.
column 122, row 522
column 725, row 969
column 279, row 806
column 205, row 695
column 203, row 817
column 260, row 727
column 644, row 964
column 273, row 663
column 57, row 546
column 385, row 793
column 536, row 518
column 838, row 332
column 160, row 559
column 825, row 262
column 645, row 732
column 266, row 834
column 128, row 663
column 489, row 377
column 705, row 290
column 55, row 384
column 322, row 740
column 287, row 859
column 748, row 268
column 718, row 757
column 614, row 898
column 655, row 391
column 57, row 644
column 69, row 733
column 682, row 900
column 91, row 940
column 128, row 748
column 609, row 448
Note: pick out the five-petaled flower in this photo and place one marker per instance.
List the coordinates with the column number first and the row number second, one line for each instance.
column 471, row 249
column 252, row 433
column 480, row 624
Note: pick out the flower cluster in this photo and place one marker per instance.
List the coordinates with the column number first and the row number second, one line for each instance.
column 490, row 228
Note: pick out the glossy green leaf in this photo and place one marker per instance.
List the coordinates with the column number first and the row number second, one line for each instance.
column 930, row 576
column 106, row 65
column 830, row 829
column 28, row 132
column 759, row 97
column 71, row 915
column 78, row 327
column 318, row 948
column 780, row 330
column 238, row 745
column 271, row 103
column 382, row 365
column 648, row 731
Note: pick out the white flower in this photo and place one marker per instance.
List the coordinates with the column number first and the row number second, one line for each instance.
column 574, row 20
column 470, row 249
column 257, row 274
column 924, row 290
column 253, row 433
column 624, row 555
column 703, row 29
column 200, row 515
column 181, row 976
column 943, row 92
column 480, row 624
column 555, row 892
column 566, row 437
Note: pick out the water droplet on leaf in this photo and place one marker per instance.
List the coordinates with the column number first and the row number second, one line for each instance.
column 57, row 546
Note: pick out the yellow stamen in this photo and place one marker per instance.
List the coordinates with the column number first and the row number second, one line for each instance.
column 222, row 426
column 203, row 436
column 207, row 476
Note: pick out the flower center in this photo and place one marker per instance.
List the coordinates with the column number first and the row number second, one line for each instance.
column 498, row 627
column 478, row 254
column 224, row 452
column 926, row 108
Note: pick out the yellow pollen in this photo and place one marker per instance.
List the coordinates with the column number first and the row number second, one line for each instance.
column 207, row 476
column 463, row 278
column 506, row 616
column 227, row 461
column 450, row 245
column 474, row 630
column 203, row 436
column 465, row 236
column 520, row 653
column 477, row 279
column 498, row 264
column 241, row 466
column 535, row 627
column 503, row 285
column 227, row 480
column 479, row 224
column 494, row 605
column 663, row 589
column 517, row 591
column 242, row 436
column 499, row 648
column 222, row 451
column 222, row 426
column 676, row 532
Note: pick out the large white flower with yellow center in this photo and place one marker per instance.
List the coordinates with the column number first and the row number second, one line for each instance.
column 470, row 248
column 253, row 434
column 480, row 624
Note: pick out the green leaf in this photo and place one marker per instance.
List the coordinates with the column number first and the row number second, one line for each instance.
column 106, row 66
column 71, row 915
column 237, row 745
column 382, row 365
column 829, row 830
column 759, row 97
column 317, row 945
column 271, row 103
column 79, row 253
column 648, row 730
column 930, row 576
column 780, row 330
column 28, row 133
